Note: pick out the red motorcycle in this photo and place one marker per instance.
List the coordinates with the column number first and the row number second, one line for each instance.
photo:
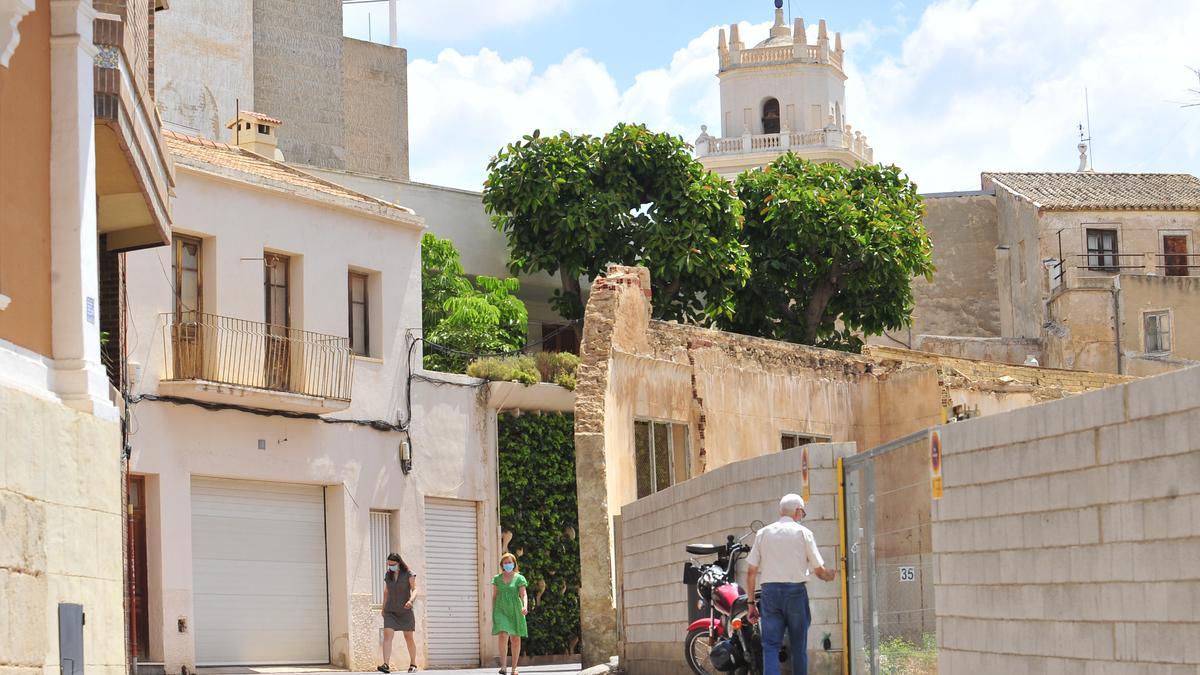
column 725, row 641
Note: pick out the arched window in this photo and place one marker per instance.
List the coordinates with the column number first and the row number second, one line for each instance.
column 770, row 116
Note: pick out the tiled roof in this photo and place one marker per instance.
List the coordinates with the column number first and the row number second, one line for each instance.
column 192, row 150
column 258, row 116
column 1103, row 191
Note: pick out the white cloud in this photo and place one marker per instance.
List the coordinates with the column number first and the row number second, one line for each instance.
column 999, row 85
column 447, row 19
column 463, row 108
column 984, row 85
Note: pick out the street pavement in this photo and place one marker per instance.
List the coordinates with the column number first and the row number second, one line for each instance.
column 525, row 670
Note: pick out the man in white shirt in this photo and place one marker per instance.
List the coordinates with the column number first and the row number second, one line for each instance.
column 784, row 555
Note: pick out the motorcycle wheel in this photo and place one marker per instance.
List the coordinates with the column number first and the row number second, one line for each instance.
column 696, row 648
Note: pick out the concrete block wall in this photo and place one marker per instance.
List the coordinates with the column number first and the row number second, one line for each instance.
column 60, row 534
column 375, row 85
column 724, row 501
column 1069, row 533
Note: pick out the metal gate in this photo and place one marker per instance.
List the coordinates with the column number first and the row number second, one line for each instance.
column 887, row 496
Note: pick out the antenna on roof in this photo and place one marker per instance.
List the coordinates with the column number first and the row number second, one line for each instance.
column 1195, row 103
column 237, row 117
column 1087, row 108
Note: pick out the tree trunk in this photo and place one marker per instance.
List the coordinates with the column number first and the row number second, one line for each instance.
column 571, row 287
column 822, row 293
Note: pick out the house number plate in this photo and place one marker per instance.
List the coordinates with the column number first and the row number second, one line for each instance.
column 908, row 573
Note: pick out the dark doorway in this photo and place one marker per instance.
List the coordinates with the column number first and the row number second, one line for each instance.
column 1175, row 254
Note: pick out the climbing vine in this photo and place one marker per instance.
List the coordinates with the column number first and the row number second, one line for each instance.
column 540, row 522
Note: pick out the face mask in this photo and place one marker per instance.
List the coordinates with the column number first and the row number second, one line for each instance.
column 393, row 567
column 508, row 567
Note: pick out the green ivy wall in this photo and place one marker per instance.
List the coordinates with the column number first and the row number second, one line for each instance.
column 539, row 517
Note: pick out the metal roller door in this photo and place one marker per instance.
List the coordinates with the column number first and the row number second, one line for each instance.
column 258, row 565
column 452, row 583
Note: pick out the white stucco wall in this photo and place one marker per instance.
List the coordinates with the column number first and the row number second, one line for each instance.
column 452, row 430
column 798, row 85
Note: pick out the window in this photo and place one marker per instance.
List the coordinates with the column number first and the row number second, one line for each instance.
column 264, row 129
column 789, row 440
column 770, row 116
column 1158, row 332
column 1176, row 261
column 1102, row 250
column 187, row 279
column 661, row 455
column 381, row 547
column 360, row 319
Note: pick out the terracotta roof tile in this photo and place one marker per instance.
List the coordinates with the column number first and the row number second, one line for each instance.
column 1103, row 191
column 258, row 116
column 226, row 156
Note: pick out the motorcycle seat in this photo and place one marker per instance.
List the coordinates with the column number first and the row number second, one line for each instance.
column 703, row 549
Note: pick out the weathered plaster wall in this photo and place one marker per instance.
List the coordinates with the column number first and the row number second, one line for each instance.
column 724, row 501
column 204, row 64
column 298, row 77
column 1139, row 236
column 996, row 349
column 1178, row 295
column 737, row 395
column 60, row 514
column 25, row 187
column 375, row 84
column 1067, row 537
column 1025, row 282
column 961, row 300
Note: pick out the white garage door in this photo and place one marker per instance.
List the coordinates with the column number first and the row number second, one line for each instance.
column 452, row 583
column 258, row 565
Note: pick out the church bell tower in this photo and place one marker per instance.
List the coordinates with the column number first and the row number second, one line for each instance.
column 783, row 94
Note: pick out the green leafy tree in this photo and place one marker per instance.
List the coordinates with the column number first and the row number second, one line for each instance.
column 570, row 204
column 832, row 252
column 481, row 317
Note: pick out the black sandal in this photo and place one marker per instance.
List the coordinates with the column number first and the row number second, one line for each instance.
column 384, row 668
column 412, row 669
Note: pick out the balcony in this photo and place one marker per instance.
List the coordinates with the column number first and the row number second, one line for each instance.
column 1073, row 268
column 134, row 174
column 234, row 361
column 771, row 145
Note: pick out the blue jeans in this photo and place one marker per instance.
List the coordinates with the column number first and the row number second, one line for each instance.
column 785, row 606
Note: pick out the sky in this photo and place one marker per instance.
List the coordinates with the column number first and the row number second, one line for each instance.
column 945, row 89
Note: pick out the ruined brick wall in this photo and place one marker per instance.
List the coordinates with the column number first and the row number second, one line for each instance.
column 376, row 110
column 738, row 395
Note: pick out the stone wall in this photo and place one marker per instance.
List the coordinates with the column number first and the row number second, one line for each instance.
column 1068, row 535
column 375, row 84
column 654, row 531
column 298, row 77
column 1180, row 297
column 60, row 514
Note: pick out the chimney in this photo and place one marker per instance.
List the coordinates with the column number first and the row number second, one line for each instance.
column 257, row 133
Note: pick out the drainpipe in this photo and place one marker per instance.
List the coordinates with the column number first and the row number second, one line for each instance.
column 1116, row 293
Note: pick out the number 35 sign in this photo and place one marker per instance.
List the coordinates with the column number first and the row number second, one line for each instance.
column 908, row 573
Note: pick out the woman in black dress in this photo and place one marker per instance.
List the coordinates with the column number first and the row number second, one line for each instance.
column 400, row 589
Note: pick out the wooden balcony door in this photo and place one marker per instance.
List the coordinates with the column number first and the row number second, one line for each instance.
column 139, row 616
column 1175, row 252
column 277, row 270
column 187, row 349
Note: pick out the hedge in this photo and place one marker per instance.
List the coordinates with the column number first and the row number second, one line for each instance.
column 539, row 518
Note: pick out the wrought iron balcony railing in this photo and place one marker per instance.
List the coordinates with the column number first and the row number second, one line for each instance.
column 256, row 355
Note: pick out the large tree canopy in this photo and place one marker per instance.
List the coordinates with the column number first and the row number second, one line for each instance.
column 570, row 204
column 832, row 252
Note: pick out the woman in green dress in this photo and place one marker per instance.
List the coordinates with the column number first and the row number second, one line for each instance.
column 509, row 606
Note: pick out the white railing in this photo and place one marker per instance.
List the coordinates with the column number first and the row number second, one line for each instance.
column 766, row 55
column 845, row 139
column 790, row 53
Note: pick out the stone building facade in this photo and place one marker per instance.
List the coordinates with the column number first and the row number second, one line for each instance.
column 1085, row 271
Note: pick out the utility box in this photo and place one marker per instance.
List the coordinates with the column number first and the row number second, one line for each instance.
column 70, row 639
